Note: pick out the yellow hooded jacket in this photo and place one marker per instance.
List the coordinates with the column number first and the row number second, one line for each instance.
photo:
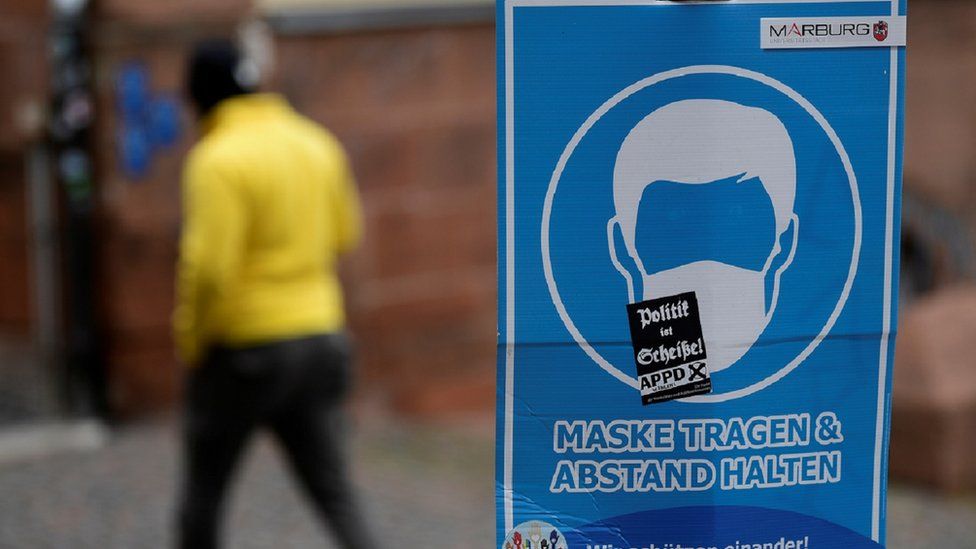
column 269, row 205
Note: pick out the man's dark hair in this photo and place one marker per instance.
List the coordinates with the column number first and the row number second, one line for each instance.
column 215, row 72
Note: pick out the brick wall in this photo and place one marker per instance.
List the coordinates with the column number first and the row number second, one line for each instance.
column 941, row 104
column 138, row 219
column 415, row 108
column 23, row 57
column 15, row 309
column 23, row 62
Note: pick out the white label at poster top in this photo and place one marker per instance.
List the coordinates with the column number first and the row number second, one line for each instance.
column 833, row 32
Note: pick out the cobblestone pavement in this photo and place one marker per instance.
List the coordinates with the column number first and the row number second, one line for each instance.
column 423, row 487
column 27, row 388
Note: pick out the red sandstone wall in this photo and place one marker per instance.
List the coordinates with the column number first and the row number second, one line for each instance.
column 940, row 163
column 15, row 310
column 416, row 111
column 23, row 59
column 23, row 63
column 138, row 220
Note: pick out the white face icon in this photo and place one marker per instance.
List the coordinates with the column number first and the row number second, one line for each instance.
column 696, row 142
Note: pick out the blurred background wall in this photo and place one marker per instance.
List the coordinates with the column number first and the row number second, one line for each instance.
column 409, row 87
column 23, row 50
column 410, row 93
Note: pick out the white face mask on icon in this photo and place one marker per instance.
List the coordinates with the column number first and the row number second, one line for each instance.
column 697, row 142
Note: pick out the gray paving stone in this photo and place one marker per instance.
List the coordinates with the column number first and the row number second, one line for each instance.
column 422, row 487
column 27, row 387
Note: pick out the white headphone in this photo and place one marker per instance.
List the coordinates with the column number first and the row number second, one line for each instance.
column 256, row 44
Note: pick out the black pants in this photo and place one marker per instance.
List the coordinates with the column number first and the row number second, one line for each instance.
column 293, row 387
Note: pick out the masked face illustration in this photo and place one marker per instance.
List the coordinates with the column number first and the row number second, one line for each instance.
column 704, row 193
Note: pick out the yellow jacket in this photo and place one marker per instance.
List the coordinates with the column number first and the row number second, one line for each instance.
column 269, row 204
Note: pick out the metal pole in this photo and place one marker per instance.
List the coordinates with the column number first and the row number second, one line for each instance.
column 45, row 251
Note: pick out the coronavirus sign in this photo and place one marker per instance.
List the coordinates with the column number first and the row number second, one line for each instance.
column 699, row 209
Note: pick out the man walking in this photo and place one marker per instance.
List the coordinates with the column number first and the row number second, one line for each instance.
column 269, row 205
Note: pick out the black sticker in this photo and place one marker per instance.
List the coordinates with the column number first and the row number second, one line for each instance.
column 669, row 348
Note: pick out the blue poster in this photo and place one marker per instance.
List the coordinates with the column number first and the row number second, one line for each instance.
column 698, row 231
